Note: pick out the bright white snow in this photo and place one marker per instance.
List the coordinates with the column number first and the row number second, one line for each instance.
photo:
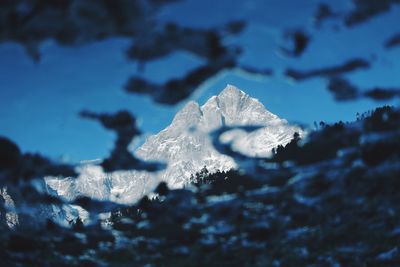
column 186, row 147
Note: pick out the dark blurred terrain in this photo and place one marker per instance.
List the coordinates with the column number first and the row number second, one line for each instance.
column 329, row 200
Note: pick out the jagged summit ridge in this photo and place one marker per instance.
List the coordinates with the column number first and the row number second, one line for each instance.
column 231, row 107
column 239, row 108
column 188, row 151
column 186, row 147
column 190, row 113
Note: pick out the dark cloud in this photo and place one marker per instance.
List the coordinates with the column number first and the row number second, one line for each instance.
column 124, row 125
column 73, row 22
column 393, row 41
column 323, row 12
column 297, row 41
column 175, row 90
column 344, row 90
column 348, row 66
column 203, row 43
column 381, row 94
column 362, row 11
column 366, row 9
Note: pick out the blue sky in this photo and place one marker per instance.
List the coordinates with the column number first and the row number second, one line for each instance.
column 39, row 102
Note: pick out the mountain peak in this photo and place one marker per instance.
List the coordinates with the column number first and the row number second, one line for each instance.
column 186, row 147
column 191, row 106
column 190, row 113
column 231, row 91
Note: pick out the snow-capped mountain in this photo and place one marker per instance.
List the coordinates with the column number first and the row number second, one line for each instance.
column 186, row 147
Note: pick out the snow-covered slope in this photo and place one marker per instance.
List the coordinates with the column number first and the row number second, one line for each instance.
column 186, row 147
